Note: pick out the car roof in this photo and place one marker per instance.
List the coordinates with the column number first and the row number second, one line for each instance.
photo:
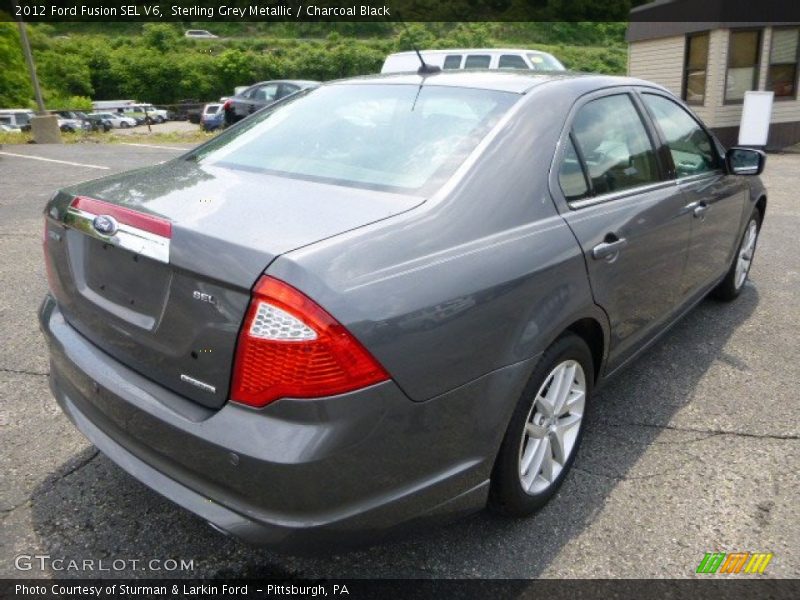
column 468, row 50
column 306, row 82
column 518, row 82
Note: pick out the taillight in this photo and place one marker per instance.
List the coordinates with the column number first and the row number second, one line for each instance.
column 290, row 347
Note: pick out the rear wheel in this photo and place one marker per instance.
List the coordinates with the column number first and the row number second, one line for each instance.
column 734, row 281
column 545, row 430
column 124, row 124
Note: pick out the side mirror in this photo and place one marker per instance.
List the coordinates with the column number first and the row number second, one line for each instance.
column 745, row 161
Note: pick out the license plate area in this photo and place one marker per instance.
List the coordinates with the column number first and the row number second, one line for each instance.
column 128, row 285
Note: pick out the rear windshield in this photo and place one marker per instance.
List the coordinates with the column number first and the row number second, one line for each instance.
column 212, row 109
column 393, row 137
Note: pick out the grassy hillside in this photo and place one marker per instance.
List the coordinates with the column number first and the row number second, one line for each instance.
column 79, row 62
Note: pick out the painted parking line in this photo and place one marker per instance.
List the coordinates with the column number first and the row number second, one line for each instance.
column 53, row 160
column 154, row 146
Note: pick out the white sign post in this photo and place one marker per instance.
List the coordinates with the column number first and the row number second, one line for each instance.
column 756, row 113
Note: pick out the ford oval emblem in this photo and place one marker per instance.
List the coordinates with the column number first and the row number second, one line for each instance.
column 105, row 224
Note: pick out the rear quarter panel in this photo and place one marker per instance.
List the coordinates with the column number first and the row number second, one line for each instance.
column 483, row 275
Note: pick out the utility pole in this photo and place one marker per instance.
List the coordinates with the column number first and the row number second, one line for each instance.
column 26, row 50
column 44, row 127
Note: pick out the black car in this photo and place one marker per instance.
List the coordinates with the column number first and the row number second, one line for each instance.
column 99, row 123
column 259, row 95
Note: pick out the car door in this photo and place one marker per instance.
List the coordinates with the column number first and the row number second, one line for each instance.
column 714, row 198
column 628, row 217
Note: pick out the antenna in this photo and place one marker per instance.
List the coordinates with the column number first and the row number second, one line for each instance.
column 425, row 68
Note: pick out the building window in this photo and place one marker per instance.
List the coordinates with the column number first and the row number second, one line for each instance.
column 694, row 68
column 782, row 73
column 744, row 52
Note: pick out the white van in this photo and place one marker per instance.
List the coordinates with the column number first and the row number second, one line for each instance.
column 16, row 118
column 474, row 58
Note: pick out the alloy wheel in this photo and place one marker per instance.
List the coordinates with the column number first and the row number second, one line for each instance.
column 746, row 251
column 551, row 429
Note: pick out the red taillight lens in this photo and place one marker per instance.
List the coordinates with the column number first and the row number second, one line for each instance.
column 290, row 347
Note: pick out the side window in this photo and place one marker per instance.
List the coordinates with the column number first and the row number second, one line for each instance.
column 615, row 145
column 691, row 148
column 286, row 89
column 452, row 61
column 512, row 61
column 477, row 61
column 266, row 93
column 570, row 175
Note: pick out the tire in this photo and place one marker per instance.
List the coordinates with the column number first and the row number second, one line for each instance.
column 124, row 124
column 519, row 492
column 733, row 284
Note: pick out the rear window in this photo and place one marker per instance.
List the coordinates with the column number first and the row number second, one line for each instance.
column 210, row 110
column 394, row 137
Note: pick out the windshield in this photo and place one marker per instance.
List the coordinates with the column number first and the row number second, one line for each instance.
column 544, row 62
column 395, row 137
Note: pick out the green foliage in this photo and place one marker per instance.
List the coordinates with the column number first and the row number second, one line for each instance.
column 56, row 102
column 154, row 62
column 15, row 87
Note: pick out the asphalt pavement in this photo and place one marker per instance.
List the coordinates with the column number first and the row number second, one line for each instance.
column 695, row 448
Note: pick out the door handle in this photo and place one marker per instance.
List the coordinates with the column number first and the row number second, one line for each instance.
column 609, row 249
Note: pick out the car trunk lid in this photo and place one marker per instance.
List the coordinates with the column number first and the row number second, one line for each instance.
column 155, row 266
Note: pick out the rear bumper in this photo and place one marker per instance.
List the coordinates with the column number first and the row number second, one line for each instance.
column 298, row 474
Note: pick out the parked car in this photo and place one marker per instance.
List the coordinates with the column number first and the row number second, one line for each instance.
column 145, row 113
column 99, row 123
column 188, row 110
column 17, row 118
column 474, row 58
column 200, row 34
column 259, row 95
column 213, row 117
column 69, row 122
column 397, row 314
column 116, row 119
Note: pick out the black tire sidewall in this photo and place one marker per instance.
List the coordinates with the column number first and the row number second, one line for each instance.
column 506, row 495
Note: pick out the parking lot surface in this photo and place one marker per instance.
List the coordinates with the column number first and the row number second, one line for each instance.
column 693, row 449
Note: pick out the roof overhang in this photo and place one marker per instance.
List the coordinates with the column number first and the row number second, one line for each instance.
column 666, row 18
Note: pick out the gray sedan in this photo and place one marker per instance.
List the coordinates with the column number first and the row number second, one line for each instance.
column 387, row 301
column 259, row 95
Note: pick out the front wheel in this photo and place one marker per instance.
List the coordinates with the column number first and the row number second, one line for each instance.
column 545, row 431
column 730, row 287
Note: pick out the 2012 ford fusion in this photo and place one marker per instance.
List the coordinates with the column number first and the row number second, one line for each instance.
column 387, row 301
